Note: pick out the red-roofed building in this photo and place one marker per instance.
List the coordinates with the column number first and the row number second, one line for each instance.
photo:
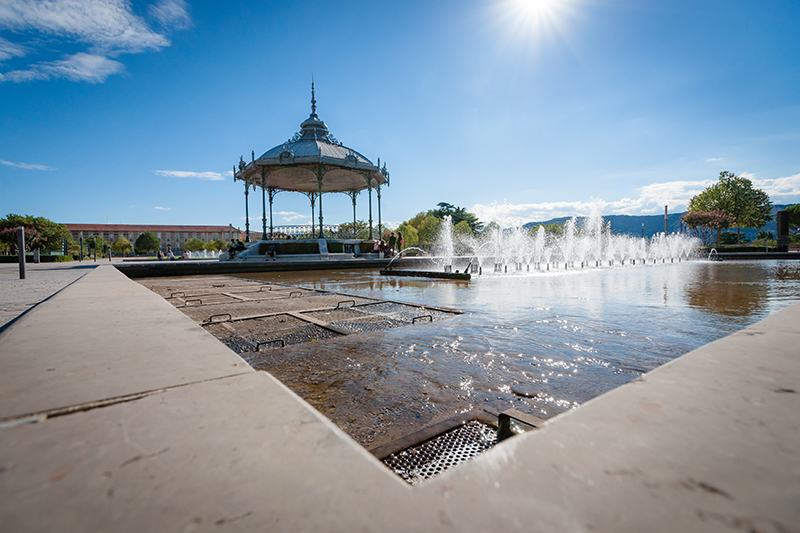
column 172, row 236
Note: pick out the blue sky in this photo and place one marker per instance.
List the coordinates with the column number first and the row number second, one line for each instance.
column 519, row 110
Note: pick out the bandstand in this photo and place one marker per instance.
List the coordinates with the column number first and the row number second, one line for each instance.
column 312, row 163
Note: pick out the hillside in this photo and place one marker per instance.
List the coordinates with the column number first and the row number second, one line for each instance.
column 652, row 224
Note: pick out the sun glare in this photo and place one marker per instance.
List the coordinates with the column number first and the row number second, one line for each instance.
column 535, row 8
column 537, row 21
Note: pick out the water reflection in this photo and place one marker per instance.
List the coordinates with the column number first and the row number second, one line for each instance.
column 541, row 343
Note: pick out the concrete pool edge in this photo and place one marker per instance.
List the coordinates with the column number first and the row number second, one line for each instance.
column 707, row 442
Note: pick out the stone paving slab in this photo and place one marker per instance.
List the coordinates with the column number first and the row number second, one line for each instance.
column 103, row 338
column 42, row 280
column 235, row 454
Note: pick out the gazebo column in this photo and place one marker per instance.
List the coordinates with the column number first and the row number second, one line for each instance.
column 246, row 213
column 319, row 184
column 369, row 190
column 352, row 195
column 272, row 193
column 263, row 204
column 380, row 227
column 312, row 196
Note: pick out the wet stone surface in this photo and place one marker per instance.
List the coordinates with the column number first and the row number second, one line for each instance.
column 312, row 340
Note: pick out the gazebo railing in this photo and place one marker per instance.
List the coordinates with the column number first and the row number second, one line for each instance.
column 304, row 231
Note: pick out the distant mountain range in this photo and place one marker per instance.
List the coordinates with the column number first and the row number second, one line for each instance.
column 653, row 224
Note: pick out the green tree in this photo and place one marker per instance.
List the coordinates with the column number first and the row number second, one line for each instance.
column 458, row 215
column 489, row 230
column 794, row 214
column 427, row 230
column 361, row 232
column 95, row 242
column 735, row 196
column 194, row 245
column 40, row 232
column 147, row 242
column 122, row 246
column 463, row 229
column 410, row 235
column 217, row 245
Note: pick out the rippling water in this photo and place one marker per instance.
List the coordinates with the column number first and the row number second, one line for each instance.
column 540, row 342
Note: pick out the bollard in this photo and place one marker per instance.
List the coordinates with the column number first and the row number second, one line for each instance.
column 21, row 251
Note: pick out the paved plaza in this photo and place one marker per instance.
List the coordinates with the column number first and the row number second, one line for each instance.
column 41, row 282
column 119, row 413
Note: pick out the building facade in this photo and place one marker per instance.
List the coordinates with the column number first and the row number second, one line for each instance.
column 173, row 237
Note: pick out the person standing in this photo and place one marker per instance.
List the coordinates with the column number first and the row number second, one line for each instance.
column 399, row 242
column 392, row 241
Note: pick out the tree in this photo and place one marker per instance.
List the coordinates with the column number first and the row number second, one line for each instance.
column 703, row 223
column 216, row 245
column 122, row 246
column 194, row 245
column 428, row 230
column 735, row 196
column 794, row 214
column 39, row 232
column 458, row 215
column 361, row 232
column 490, row 228
column 463, row 229
column 147, row 242
column 410, row 235
column 96, row 243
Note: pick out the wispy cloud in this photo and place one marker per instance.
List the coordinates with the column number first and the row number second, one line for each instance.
column 710, row 159
column 108, row 28
column 27, row 166
column 163, row 208
column 9, row 50
column 651, row 199
column 208, row 176
column 291, row 216
column 79, row 67
column 170, row 13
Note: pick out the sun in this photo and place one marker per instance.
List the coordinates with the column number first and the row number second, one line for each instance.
column 537, row 21
column 536, row 8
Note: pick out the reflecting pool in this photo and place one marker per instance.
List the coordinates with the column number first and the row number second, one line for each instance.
column 539, row 342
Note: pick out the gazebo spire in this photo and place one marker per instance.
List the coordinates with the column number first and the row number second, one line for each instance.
column 313, row 100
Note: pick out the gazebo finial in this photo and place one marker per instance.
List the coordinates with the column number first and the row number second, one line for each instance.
column 313, row 100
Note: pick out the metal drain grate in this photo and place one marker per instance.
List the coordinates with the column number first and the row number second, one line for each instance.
column 440, row 454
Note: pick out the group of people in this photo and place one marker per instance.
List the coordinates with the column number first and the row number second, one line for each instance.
column 389, row 249
column 236, row 246
column 171, row 256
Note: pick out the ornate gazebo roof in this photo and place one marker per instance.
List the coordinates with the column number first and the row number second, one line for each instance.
column 312, row 161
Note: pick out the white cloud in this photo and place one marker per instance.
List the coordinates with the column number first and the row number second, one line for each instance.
column 711, row 159
column 170, row 13
column 788, row 186
column 163, row 208
column 291, row 216
column 9, row 50
column 79, row 67
column 208, row 176
column 651, row 199
column 26, row 166
column 108, row 27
